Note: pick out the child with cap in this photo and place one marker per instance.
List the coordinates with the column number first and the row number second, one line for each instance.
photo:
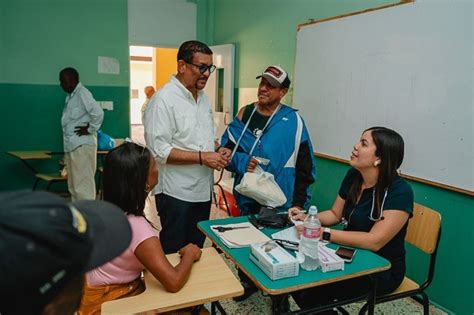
column 47, row 245
column 130, row 173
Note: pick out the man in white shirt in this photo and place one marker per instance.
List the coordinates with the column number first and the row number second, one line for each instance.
column 179, row 130
column 82, row 117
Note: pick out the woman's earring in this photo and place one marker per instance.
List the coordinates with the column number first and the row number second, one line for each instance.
column 377, row 163
column 147, row 188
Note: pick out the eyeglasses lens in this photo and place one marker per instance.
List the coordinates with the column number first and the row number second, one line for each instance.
column 204, row 68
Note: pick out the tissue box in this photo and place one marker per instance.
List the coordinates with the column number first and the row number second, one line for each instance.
column 328, row 260
column 276, row 263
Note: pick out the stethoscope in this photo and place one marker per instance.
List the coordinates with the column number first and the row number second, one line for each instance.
column 345, row 222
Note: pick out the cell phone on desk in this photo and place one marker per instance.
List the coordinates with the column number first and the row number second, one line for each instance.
column 346, row 253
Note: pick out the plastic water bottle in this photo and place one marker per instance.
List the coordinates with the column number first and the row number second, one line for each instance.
column 310, row 240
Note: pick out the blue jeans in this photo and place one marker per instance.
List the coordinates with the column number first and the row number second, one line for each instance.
column 179, row 222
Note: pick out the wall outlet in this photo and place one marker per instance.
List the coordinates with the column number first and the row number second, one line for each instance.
column 108, row 105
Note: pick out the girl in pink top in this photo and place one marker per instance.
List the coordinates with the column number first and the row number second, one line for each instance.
column 130, row 173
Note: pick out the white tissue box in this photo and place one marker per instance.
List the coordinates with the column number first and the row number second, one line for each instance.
column 328, row 260
column 276, row 263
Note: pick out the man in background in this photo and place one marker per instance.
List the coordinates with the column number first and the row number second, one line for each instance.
column 47, row 245
column 149, row 91
column 179, row 130
column 82, row 117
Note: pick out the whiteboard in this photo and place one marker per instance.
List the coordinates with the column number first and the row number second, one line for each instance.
column 408, row 67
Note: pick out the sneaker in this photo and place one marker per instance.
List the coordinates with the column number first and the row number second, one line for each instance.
column 249, row 289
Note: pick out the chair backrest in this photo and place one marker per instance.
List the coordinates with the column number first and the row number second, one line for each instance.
column 424, row 228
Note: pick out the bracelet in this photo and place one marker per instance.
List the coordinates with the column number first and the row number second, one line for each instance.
column 200, row 159
column 217, row 149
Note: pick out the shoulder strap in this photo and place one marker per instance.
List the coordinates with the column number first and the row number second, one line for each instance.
column 264, row 127
column 247, row 112
column 242, row 134
column 259, row 136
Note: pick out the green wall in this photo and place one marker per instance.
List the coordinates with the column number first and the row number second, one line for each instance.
column 39, row 38
column 264, row 33
column 2, row 40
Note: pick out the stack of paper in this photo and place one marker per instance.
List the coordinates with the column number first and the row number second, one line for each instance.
column 244, row 234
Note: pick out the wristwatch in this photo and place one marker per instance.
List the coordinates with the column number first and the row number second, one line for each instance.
column 326, row 234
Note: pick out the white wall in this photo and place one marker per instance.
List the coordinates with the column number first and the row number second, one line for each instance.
column 164, row 23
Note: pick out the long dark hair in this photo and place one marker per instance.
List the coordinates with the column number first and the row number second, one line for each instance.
column 125, row 177
column 390, row 151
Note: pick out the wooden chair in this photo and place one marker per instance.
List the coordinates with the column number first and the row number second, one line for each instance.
column 424, row 232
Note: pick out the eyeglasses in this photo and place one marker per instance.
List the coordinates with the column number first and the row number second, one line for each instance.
column 203, row 68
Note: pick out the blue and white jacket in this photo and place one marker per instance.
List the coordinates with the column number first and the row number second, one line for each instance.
column 281, row 143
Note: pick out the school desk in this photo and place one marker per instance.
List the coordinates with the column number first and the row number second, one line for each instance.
column 364, row 263
column 210, row 280
column 27, row 156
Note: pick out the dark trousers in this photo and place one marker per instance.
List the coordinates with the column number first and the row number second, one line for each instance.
column 179, row 222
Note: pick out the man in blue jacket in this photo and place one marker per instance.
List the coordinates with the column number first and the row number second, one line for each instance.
column 273, row 136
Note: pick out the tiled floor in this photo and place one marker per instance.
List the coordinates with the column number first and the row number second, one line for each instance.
column 259, row 303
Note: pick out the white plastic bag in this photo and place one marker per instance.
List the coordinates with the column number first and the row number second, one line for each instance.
column 261, row 187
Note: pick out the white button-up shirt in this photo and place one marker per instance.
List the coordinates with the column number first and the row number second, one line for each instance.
column 80, row 109
column 173, row 119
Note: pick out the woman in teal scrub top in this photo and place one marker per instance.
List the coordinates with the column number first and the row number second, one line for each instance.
column 374, row 205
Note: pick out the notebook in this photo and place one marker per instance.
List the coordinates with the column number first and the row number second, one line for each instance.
column 241, row 237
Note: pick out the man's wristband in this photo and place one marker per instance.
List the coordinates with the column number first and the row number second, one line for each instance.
column 200, row 158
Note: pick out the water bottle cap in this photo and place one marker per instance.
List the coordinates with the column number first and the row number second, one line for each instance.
column 313, row 210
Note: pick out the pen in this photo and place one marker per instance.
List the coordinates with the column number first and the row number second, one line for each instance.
column 286, row 241
column 287, row 244
column 301, row 211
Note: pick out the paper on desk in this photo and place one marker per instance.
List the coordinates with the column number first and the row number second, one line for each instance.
column 240, row 237
column 289, row 234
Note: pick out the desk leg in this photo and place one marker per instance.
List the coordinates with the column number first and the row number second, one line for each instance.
column 372, row 296
column 36, row 183
column 280, row 304
column 29, row 167
column 217, row 305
